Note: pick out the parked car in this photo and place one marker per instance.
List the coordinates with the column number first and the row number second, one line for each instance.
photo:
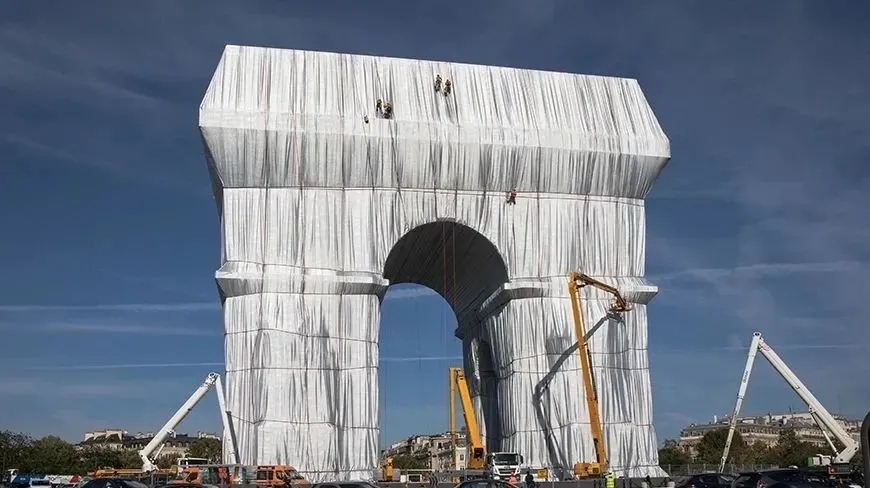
column 780, row 478
column 345, row 484
column 113, row 483
column 705, row 480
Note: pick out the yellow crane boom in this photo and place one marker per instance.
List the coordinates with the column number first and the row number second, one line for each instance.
column 477, row 451
column 576, row 281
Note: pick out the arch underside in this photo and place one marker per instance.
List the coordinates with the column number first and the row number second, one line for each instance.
column 321, row 212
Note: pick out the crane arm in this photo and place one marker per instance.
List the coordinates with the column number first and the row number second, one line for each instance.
column 820, row 414
column 167, row 429
column 475, row 441
column 741, row 393
column 850, row 446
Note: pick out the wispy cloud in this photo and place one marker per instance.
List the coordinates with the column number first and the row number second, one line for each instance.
column 392, row 294
column 409, row 293
column 759, row 270
column 68, row 389
column 122, row 328
column 387, row 359
column 118, row 307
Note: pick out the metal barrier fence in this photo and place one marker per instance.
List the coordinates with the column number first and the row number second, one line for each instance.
column 675, row 470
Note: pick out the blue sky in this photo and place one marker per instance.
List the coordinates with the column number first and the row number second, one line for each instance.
column 760, row 221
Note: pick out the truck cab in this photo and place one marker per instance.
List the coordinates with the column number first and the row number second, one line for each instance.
column 503, row 465
column 278, row 475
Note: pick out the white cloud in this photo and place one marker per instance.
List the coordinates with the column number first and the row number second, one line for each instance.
column 85, row 367
column 119, row 307
column 122, row 328
column 409, row 293
column 67, row 388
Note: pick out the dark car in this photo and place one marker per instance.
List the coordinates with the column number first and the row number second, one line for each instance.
column 485, row 484
column 345, row 484
column 113, row 483
column 705, row 480
column 780, row 478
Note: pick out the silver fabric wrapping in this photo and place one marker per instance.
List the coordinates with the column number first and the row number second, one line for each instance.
column 323, row 205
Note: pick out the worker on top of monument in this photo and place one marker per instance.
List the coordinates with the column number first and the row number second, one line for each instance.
column 511, row 197
column 437, row 82
column 447, row 87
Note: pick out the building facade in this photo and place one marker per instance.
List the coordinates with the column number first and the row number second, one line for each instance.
column 438, row 448
column 175, row 445
column 766, row 429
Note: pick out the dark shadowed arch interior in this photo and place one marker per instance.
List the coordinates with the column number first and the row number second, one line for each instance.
column 456, row 261
column 489, row 394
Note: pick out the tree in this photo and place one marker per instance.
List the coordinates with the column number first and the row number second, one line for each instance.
column 791, row 451
column 711, row 446
column 167, row 461
column 54, row 455
column 757, row 453
column 14, row 450
column 408, row 461
column 207, row 448
column 672, row 454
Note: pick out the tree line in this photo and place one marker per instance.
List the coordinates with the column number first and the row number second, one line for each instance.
column 788, row 450
column 53, row 455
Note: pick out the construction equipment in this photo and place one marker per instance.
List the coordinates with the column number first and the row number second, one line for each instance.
column 277, row 475
column 819, row 413
column 387, row 469
column 212, row 474
column 494, row 465
column 576, row 281
column 168, row 429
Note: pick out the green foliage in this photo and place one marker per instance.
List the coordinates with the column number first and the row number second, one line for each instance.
column 710, row 447
column 207, row 448
column 788, row 451
column 53, row 455
column 672, row 454
column 167, row 461
column 407, row 461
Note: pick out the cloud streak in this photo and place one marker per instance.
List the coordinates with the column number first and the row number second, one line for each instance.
column 760, row 270
column 114, row 307
column 205, row 306
column 86, row 367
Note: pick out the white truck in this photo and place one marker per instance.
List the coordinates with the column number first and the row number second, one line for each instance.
column 503, row 465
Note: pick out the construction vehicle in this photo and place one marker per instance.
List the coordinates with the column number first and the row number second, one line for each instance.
column 826, row 422
column 183, row 462
column 479, row 464
column 168, row 429
column 576, row 281
column 212, row 474
column 278, row 475
column 387, row 470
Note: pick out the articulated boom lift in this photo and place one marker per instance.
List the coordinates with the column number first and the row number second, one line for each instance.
column 212, row 380
column 826, row 421
column 576, row 281
column 476, row 449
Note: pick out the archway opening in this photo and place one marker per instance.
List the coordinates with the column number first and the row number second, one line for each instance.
column 454, row 260
column 445, row 271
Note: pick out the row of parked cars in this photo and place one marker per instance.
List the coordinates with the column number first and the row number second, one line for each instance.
column 771, row 478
